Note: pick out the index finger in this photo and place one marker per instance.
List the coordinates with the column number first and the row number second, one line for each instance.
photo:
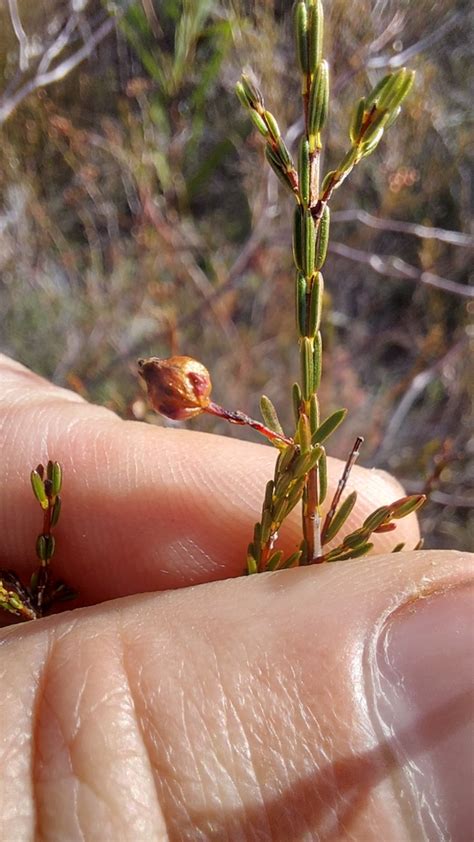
column 144, row 508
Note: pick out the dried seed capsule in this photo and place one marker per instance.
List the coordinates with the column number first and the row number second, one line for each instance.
column 322, row 239
column 315, row 36
column 178, row 387
column 318, row 101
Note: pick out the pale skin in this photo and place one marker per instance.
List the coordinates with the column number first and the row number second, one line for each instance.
column 251, row 708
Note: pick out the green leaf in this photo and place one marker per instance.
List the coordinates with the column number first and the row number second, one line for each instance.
column 357, row 120
column 306, row 361
column 377, row 90
column 329, row 426
column 318, row 102
column 301, row 303
column 56, row 478
column 291, row 561
column 304, row 172
column 377, row 517
column 322, row 239
column 251, row 92
column 323, row 476
column 277, row 167
column 274, row 560
column 37, row 485
column 315, row 35
column 340, row 517
column 273, row 126
column 315, row 304
column 259, row 123
column 297, row 398
column 41, row 548
column 301, row 35
column 298, row 237
column 317, row 360
column 308, row 235
column 242, row 95
column 251, row 565
column 269, row 415
column 56, row 511
column 407, row 505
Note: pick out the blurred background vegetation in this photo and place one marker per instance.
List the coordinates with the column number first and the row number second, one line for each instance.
column 137, row 217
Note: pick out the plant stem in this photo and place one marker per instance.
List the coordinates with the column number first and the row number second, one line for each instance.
column 237, row 417
column 351, row 460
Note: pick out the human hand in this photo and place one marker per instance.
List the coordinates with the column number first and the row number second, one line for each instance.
column 329, row 702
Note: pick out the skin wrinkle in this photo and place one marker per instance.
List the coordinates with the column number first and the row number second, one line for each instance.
column 141, row 731
column 233, row 746
column 80, row 721
column 356, row 771
column 409, row 810
column 160, row 761
column 21, row 746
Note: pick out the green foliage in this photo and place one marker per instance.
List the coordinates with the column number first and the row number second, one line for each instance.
column 297, row 475
column 126, row 221
column 28, row 602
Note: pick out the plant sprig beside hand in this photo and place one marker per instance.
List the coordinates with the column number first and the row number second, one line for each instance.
column 180, row 387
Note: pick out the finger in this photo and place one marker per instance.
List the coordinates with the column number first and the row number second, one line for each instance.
column 329, row 703
column 143, row 507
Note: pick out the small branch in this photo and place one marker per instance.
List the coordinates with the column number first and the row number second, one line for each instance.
column 41, row 80
column 20, row 34
column 237, row 417
column 395, row 267
column 425, row 232
column 423, row 44
column 352, row 458
column 57, row 46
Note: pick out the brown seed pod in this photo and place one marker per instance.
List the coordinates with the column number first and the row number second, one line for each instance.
column 178, row 387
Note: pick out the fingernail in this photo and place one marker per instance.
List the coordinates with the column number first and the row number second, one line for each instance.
column 424, row 701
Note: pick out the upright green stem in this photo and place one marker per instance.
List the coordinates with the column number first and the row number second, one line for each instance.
column 309, row 249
